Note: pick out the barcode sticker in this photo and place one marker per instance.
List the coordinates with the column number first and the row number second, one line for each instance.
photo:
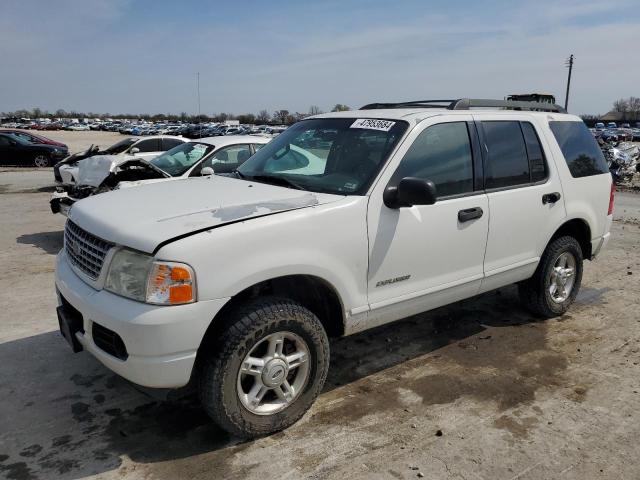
column 373, row 124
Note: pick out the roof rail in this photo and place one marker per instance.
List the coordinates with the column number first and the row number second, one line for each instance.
column 468, row 103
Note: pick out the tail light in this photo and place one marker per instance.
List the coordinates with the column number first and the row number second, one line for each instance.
column 612, row 196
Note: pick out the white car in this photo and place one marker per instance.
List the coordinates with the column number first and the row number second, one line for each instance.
column 66, row 172
column 79, row 127
column 417, row 205
column 102, row 173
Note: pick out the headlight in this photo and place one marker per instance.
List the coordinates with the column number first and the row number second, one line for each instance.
column 135, row 275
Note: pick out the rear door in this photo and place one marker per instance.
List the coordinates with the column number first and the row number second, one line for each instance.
column 525, row 196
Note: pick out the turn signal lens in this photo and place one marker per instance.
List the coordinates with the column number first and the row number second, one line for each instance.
column 170, row 284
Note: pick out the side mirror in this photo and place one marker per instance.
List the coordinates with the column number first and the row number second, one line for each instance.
column 410, row 191
column 134, row 150
column 206, row 171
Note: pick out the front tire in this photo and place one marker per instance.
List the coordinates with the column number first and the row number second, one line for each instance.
column 266, row 368
column 555, row 284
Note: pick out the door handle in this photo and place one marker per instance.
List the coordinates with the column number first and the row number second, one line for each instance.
column 469, row 214
column 550, row 197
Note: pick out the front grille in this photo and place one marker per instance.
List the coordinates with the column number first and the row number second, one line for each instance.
column 84, row 250
column 109, row 341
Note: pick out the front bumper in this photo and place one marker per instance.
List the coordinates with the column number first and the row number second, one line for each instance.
column 61, row 202
column 161, row 341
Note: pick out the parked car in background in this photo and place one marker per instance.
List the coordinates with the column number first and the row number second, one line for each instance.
column 78, row 127
column 66, row 171
column 202, row 157
column 15, row 150
column 35, row 138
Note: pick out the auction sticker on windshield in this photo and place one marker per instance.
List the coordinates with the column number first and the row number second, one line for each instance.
column 373, row 124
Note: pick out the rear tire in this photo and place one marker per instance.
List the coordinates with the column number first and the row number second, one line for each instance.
column 41, row 161
column 556, row 282
column 266, row 367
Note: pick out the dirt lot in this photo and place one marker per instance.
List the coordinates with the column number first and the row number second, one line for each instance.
column 479, row 390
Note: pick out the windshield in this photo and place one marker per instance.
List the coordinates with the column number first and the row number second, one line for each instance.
column 120, row 147
column 181, row 158
column 331, row 155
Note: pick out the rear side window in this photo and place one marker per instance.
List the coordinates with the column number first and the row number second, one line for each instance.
column 537, row 164
column 442, row 154
column 580, row 150
column 507, row 162
column 169, row 143
column 150, row 145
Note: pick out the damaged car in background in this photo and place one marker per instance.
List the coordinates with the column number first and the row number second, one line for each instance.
column 66, row 171
column 206, row 156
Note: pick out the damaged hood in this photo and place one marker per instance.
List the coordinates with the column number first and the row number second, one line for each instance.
column 145, row 216
column 92, row 171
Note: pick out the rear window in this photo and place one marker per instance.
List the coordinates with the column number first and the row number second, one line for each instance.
column 581, row 152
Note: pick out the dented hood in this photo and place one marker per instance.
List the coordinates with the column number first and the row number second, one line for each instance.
column 145, row 216
column 93, row 170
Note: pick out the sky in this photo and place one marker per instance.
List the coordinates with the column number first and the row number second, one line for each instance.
column 142, row 56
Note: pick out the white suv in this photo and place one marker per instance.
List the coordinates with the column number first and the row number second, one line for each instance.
column 343, row 222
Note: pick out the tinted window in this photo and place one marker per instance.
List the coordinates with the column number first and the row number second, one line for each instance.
column 442, row 154
column 150, row 145
column 507, row 162
column 580, row 150
column 169, row 143
column 537, row 164
column 4, row 141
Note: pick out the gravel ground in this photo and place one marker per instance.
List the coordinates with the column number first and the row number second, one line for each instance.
column 477, row 390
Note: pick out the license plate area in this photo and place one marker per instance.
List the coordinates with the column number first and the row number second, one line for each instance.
column 70, row 322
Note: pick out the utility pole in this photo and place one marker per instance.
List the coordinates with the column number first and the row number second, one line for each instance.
column 568, row 63
column 198, row 88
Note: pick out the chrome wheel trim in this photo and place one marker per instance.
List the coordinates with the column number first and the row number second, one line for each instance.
column 562, row 277
column 273, row 373
column 41, row 161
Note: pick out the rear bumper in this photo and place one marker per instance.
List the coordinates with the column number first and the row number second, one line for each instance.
column 600, row 243
column 161, row 341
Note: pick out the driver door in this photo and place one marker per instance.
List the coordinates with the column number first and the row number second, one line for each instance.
column 425, row 256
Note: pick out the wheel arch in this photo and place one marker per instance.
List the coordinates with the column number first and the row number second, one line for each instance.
column 312, row 292
column 579, row 229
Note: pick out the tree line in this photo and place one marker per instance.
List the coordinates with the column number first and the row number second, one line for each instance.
column 279, row 117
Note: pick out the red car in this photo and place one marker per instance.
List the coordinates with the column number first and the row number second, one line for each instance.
column 34, row 138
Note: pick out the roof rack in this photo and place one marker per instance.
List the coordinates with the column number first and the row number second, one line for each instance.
column 469, row 103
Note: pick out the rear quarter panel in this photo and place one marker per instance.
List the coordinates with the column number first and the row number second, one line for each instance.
column 585, row 198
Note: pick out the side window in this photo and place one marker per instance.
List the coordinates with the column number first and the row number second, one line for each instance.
column 4, row 141
column 442, row 154
column 537, row 164
column 150, row 145
column 228, row 159
column 507, row 162
column 169, row 143
column 579, row 148
column 258, row 146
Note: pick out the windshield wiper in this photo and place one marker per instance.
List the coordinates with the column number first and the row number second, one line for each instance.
column 284, row 182
column 238, row 174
